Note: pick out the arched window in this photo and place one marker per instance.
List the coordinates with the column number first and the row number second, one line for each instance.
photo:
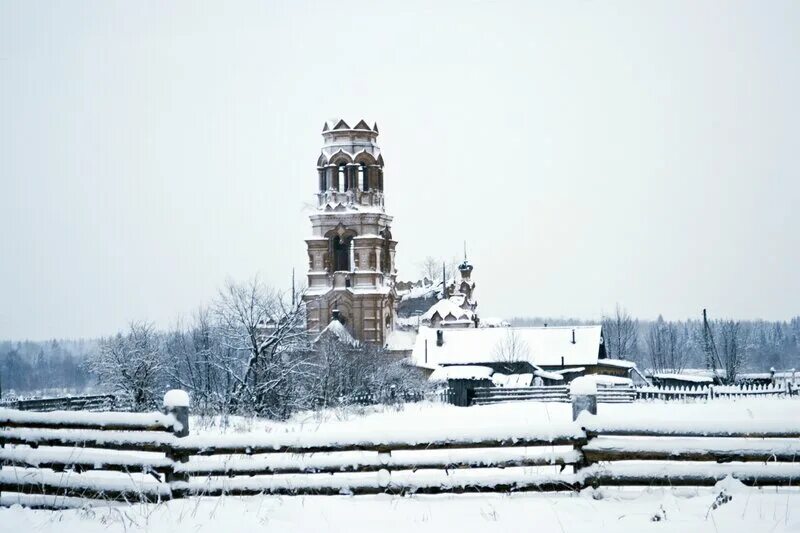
column 366, row 173
column 342, row 183
column 341, row 254
column 363, row 177
column 322, row 180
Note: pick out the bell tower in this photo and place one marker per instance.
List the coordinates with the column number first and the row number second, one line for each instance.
column 351, row 272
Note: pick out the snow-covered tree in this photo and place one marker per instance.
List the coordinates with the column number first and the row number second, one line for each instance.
column 132, row 364
column 258, row 329
column 731, row 337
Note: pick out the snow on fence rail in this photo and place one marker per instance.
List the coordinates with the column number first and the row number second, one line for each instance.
column 96, row 402
column 149, row 457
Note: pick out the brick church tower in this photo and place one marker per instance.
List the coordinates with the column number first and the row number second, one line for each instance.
column 351, row 271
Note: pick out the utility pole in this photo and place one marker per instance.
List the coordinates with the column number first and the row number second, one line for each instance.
column 293, row 293
column 444, row 282
column 710, row 349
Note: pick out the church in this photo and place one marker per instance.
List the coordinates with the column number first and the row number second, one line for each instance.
column 352, row 283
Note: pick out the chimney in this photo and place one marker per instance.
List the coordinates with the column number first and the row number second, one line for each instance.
column 439, row 337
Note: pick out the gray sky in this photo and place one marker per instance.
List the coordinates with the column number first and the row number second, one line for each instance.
column 589, row 152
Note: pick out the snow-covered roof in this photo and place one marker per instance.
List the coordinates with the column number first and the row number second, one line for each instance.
column 538, row 346
column 685, row 377
column 548, row 375
column 458, row 299
column 418, row 292
column 445, row 308
column 603, row 379
column 573, row 370
column 512, row 380
column 621, row 363
column 338, row 330
column 401, row 339
column 461, row 372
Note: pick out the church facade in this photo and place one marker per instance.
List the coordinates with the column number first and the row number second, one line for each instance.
column 351, row 253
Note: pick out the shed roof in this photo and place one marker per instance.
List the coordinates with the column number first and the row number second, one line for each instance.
column 471, row 372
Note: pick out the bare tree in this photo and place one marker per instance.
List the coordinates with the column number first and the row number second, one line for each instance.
column 132, row 364
column 511, row 349
column 621, row 334
column 194, row 356
column 345, row 371
column 664, row 348
column 731, row 341
column 256, row 328
column 431, row 268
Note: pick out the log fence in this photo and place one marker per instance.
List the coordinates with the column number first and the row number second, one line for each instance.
column 623, row 394
column 151, row 457
column 94, row 402
column 551, row 393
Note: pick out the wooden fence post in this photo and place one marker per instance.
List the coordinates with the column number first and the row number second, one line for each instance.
column 583, row 392
column 176, row 403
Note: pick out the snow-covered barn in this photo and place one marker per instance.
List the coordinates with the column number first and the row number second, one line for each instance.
column 550, row 351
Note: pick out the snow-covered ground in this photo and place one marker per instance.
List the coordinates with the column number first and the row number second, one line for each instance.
column 606, row 509
column 419, row 417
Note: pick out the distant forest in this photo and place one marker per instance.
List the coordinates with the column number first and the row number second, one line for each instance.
column 749, row 345
column 60, row 366
column 54, row 367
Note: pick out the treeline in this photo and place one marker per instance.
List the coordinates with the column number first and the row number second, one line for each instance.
column 732, row 345
column 55, row 366
column 247, row 353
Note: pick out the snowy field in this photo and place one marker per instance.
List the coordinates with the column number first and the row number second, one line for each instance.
column 607, row 509
column 419, row 417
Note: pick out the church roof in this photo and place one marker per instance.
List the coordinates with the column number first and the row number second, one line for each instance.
column 540, row 346
column 338, row 331
column 339, row 124
column 447, row 308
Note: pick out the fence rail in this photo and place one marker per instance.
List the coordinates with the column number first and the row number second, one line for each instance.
column 622, row 394
column 556, row 393
column 150, row 457
column 714, row 391
column 95, row 402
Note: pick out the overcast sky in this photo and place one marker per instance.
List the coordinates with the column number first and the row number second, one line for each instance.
column 589, row 152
